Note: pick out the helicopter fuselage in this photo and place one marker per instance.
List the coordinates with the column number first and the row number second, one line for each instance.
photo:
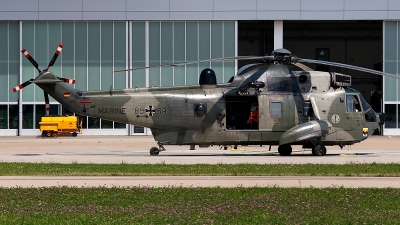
column 292, row 108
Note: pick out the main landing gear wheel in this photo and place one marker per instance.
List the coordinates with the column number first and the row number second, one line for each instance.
column 285, row 150
column 319, row 150
column 154, row 151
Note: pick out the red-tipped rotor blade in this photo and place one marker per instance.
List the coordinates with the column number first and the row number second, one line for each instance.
column 67, row 80
column 29, row 57
column 19, row 87
column 47, row 103
column 52, row 61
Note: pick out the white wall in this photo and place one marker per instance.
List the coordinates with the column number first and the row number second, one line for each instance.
column 199, row 10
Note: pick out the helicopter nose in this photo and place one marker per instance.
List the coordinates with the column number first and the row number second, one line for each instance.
column 376, row 122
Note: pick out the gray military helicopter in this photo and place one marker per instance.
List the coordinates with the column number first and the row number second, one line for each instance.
column 265, row 103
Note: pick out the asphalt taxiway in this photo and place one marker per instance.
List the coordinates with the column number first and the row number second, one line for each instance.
column 135, row 149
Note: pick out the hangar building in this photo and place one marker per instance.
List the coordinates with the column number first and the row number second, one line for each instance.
column 101, row 36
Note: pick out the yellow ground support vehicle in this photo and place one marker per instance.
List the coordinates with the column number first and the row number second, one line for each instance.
column 52, row 126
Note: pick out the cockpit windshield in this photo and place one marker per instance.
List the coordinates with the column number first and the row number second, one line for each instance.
column 364, row 103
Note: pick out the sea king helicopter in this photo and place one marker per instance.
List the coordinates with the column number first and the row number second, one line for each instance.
column 266, row 103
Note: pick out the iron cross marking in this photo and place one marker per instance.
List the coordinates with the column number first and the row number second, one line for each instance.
column 150, row 111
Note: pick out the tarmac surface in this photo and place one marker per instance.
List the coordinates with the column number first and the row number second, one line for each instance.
column 135, row 149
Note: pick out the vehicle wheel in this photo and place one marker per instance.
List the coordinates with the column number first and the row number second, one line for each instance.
column 43, row 134
column 225, row 147
column 48, row 134
column 285, row 150
column 74, row 134
column 55, row 134
column 154, row 151
column 319, row 150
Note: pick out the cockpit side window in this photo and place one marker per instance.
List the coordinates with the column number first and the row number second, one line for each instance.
column 353, row 103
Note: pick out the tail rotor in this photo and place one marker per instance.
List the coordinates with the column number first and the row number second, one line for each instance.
column 43, row 80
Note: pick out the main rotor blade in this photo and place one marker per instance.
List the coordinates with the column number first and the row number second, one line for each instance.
column 362, row 69
column 303, row 67
column 200, row 61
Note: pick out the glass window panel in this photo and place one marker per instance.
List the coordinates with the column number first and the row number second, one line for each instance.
column 192, row 41
column 204, row 44
column 13, row 117
column 81, row 52
column 276, row 109
column 41, row 54
column 93, row 123
column 106, row 124
column 27, row 116
column 390, row 119
column 192, row 52
column 120, row 54
column 106, row 55
column 179, row 53
column 118, row 125
column 28, row 71
column 154, row 53
column 179, row 76
column 54, row 39
column 94, row 55
column 138, row 130
column 14, row 55
column 3, row 117
column 4, row 63
column 40, row 110
column 390, row 40
column 390, row 83
column 67, row 55
column 229, row 50
column 166, row 54
column 229, row 70
column 138, row 54
column 217, row 49
column 84, row 122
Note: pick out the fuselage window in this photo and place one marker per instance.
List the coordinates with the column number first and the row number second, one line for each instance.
column 353, row 103
column 276, row 109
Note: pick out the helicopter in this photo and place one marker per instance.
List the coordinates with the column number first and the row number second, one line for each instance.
column 265, row 103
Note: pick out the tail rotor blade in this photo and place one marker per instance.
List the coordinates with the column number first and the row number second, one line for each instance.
column 58, row 51
column 19, row 87
column 67, row 80
column 29, row 57
column 47, row 103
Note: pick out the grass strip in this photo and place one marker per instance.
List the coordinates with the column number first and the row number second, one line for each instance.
column 178, row 205
column 124, row 169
